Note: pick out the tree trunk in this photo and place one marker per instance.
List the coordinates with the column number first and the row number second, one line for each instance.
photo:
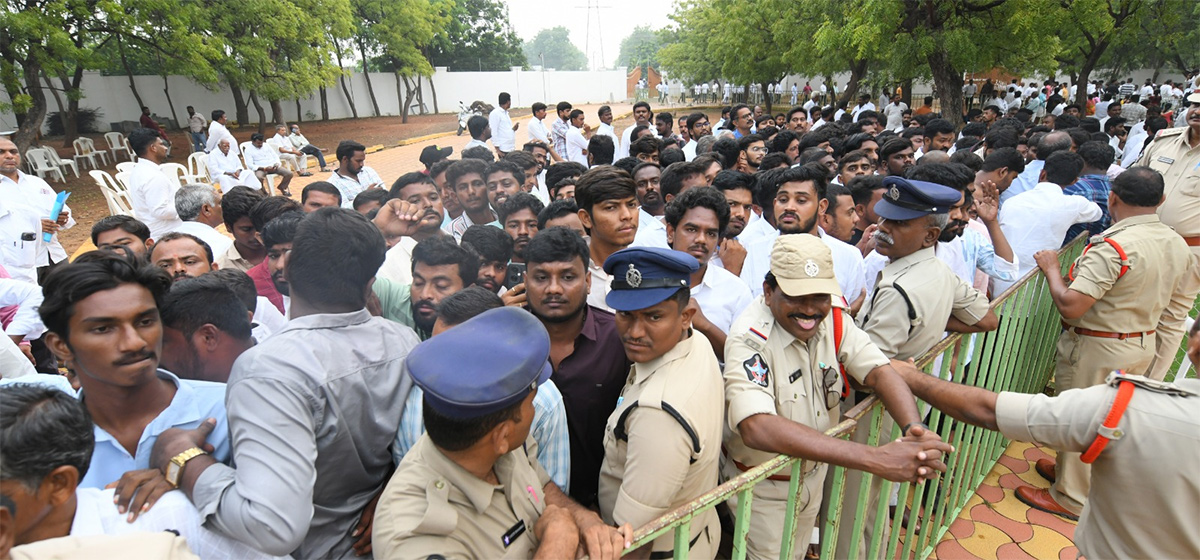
column 129, row 73
column 362, row 49
column 948, row 83
column 767, row 98
column 62, row 111
column 262, row 115
column 324, row 104
column 906, row 92
column 1085, row 73
column 31, row 126
column 241, row 110
column 299, row 115
column 71, row 125
column 421, row 96
column 433, row 92
column 337, row 50
column 857, row 70
column 277, row 112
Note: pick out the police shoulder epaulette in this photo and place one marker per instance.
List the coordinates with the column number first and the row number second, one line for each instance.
column 1115, row 378
column 1172, row 131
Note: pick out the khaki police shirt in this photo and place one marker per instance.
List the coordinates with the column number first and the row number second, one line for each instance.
column 935, row 292
column 660, row 467
column 434, row 507
column 1145, row 495
column 1158, row 260
column 768, row 371
column 1180, row 168
column 134, row 546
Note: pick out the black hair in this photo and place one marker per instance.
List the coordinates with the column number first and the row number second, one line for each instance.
column 974, row 129
column 938, row 126
column 562, row 106
column 503, row 98
column 93, row 272
column 141, row 139
column 1139, row 186
column 236, row 280
column 727, row 149
column 671, row 155
column 631, row 164
column 205, row 300
column 442, row 250
column 575, row 113
column 969, row 159
column 1090, row 124
column 602, row 110
column 1063, row 168
column 700, row 197
column 954, row 175
column 832, row 192
column 405, row 180
column 862, row 188
column 855, row 141
column 601, row 149
column 257, row 136
column 1001, row 137
column 463, row 305
column 782, row 140
column 281, row 229
column 603, row 183
column 476, row 125
column 490, row 244
column 440, row 167
column 851, row 157
column 335, row 254
column 814, row 154
column 558, row 171
column 744, row 142
column 557, row 244
column 643, row 104
column 892, row 147
column 41, row 429
column 504, row 166
column 694, row 118
column 1004, row 157
column 819, row 136
column 177, row 235
column 731, row 179
column 346, row 149
column 797, row 109
column 479, row 153
column 645, row 145
column 464, row 167
column 217, row 114
column 537, row 106
column 370, row 195
column 770, row 181
column 556, row 209
column 671, row 181
column 269, row 208
column 322, row 187
column 128, row 224
column 457, row 434
column 237, row 203
column 1097, row 155
column 774, row 160
column 523, row 159
column 1112, row 123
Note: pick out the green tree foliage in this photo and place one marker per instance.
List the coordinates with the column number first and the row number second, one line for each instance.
column 396, row 34
column 640, row 48
column 554, row 46
column 1167, row 35
column 478, row 36
column 1089, row 28
column 686, row 55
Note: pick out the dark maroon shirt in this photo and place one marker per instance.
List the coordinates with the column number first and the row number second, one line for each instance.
column 265, row 286
column 591, row 379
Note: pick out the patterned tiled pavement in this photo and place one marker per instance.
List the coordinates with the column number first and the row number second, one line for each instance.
column 995, row 524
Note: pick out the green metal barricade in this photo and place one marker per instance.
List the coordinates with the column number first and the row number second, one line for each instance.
column 1018, row 356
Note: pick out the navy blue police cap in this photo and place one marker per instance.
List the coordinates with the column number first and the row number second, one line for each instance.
column 645, row 276
column 905, row 199
column 483, row 365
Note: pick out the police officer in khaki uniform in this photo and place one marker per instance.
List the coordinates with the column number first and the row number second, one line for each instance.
column 1111, row 309
column 1146, row 499
column 471, row 487
column 1176, row 154
column 784, row 387
column 662, row 443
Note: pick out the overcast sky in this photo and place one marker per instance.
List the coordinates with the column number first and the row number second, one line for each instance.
column 617, row 18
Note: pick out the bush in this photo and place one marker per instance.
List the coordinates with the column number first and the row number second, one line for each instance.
column 86, row 118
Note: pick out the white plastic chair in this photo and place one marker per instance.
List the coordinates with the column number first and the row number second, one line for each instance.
column 132, row 155
column 123, row 180
column 61, row 163
column 86, row 149
column 197, row 165
column 40, row 162
column 115, row 194
column 125, row 166
column 176, row 171
column 116, row 144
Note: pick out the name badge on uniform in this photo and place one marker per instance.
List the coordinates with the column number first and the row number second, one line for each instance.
column 513, row 532
column 1166, row 160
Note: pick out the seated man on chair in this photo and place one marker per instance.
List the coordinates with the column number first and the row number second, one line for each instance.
column 263, row 161
column 226, row 169
column 288, row 153
column 301, row 143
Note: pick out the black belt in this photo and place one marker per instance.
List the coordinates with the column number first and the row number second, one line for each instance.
column 671, row 553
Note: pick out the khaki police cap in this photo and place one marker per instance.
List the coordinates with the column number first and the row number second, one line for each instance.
column 803, row 265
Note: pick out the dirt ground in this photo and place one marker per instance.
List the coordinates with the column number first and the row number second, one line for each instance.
column 88, row 205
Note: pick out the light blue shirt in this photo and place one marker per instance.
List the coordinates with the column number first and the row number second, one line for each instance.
column 1025, row 181
column 194, row 402
column 549, row 431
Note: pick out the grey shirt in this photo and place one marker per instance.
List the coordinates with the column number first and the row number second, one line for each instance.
column 313, row 411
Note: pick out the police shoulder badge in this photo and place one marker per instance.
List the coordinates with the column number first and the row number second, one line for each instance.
column 633, row 277
column 756, row 370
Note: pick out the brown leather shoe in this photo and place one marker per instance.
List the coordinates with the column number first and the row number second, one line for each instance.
column 1040, row 499
column 1046, row 468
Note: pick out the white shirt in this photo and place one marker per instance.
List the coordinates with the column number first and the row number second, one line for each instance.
column 1038, row 219
column 216, row 241
column 689, row 150
column 576, row 146
column 756, row 228
column 601, row 284
column 196, row 123
column 258, row 158
column 96, row 514
column 895, row 114
column 298, row 140
column 1147, row 91
column 609, row 131
column 280, row 142
column 722, row 296
column 217, row 131
column 20, row 234
column 267, row 319
column 397, row 262
column 859, row 109
column 474, row 143
column 503, row 136
column 153, row 197
column 34, row 192
column 27, row 296
column 847, row 264
column 650, row 232
column 537, row 130
column 351, row 187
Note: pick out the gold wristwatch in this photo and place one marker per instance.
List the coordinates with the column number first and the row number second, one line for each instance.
column 175, row 467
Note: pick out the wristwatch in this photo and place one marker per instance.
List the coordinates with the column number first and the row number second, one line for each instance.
column 175, row 467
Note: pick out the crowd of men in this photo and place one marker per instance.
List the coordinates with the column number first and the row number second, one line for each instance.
column 530, row 352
